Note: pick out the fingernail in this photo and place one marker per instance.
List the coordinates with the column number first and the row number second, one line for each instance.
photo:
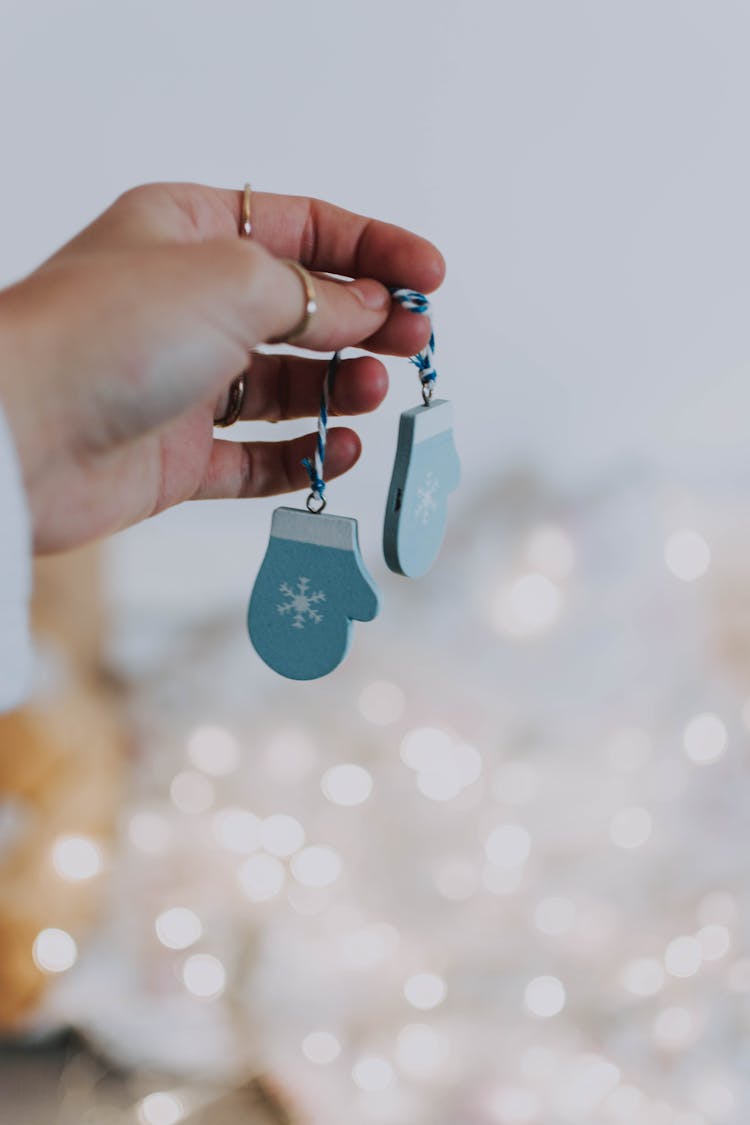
column 372, row 294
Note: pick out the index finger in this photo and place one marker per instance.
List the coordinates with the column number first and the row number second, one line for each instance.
column 320, row 235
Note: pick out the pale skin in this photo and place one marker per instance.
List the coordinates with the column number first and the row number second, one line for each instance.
column 116, row 355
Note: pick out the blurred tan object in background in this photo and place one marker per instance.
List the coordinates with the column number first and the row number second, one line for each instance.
column 60, row 774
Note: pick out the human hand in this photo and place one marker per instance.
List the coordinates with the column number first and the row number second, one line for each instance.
column 116, row 355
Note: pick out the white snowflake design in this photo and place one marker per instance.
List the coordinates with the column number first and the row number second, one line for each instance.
column 301, row 603
column 426, row 502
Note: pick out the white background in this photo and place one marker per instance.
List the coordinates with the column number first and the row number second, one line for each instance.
column 583, row 166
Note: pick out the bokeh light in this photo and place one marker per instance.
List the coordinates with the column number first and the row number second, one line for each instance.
column 527, row 607
column 281, row 835
column 178, row 927
column 54, row 950
column 382, row 702
column 76, row 857
column 705, row 739
column 687, row 555
column 236, row 829
column 214, row 749
column 261, row 877
column 160, row 1109
column 347, row 784
column 372, row 1073
column 425, row 990
column 191, row 792
column 204, row 976
column 544, row 996
column 317, row 866
column 321, row 1047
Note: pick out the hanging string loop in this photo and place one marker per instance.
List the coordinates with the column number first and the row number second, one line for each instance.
column 424, row 360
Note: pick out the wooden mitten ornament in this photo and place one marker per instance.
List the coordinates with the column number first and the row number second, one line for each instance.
column 312, row 583
column 426, row 469
column 311, row 586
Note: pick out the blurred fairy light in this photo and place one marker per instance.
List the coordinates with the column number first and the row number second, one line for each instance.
column 425, row 991
column 508, row 845
column 420, row 1050
column 178, row 927
column 514, row 782
column 687, row 555
column 550, row 550
column 705, row 739
column 372, row 1073
column 445, row 767
column 554, row 916
column 76, row 857
column 204, row 976
column 317, row 866
column 290, row 755
column 382, row 703
column 629, row 749
column 261, row 877
column 643, row 976
column 281, row 835
column 236, row 829
column 421, row 746
column 630, row 828
column 161, row 1109
column 715, row 941
column 321, row 1047
column 675, row 1028
column 54, row 950
column 544, row 997
column 347, row 784
column 149, row 832
column 527, row 607
column 191, row 792
column 682, row 957
column 214, row 749
column 512, row 1105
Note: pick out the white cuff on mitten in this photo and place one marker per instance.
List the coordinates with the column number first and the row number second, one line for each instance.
column 15, row 577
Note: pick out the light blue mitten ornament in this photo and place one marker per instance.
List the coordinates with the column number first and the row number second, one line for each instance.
column 426, row 469
column 311, row 586
column 312, row 583
column 425, row 472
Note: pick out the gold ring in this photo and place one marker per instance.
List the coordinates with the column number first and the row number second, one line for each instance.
column 246, row 226
column 235, row 402
column 311, row 303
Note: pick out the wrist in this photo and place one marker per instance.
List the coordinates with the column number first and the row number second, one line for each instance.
column 24, row 391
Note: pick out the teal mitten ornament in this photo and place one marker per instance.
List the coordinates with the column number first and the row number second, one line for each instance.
column 426, row 469
column 425, row 472
column 311, row 586
column 312, row 583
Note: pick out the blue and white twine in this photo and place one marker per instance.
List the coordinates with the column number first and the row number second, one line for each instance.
column 424, row 361
column 315, row 464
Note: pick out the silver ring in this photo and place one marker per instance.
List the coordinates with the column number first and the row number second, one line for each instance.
column 234, row 404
